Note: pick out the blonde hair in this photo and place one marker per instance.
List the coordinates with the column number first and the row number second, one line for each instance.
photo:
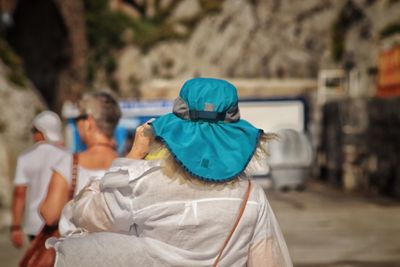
column 175, row 171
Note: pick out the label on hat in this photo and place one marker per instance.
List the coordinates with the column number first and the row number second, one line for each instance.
column 208, row 107
column 205, row 163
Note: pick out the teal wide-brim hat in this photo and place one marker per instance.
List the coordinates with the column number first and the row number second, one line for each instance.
column 205, row 133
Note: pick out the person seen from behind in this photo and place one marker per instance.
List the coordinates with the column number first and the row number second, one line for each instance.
column 98, row 118
column 32, row 176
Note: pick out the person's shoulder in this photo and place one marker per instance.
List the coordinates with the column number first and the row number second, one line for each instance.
column 63, row 164
column 65, row 157
column 30, row 150
column 50, row 148
column 258, row 193
column 129, row 171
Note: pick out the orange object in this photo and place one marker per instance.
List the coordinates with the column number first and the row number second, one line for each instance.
column 389, row 73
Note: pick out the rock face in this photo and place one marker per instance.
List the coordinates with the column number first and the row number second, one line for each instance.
column 18, row 106
column 5, row 185
column 263, row 39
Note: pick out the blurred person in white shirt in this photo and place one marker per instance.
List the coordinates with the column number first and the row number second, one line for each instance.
column 32, row 176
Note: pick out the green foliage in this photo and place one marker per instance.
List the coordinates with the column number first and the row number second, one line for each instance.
column 338, row 41
column 8, row 56
column 111, row 65
column 17, row 78
column 104, row 34
column 16, row 73
column 211, row 5
column 105, row 29
column 149, row 32
column 347, row 16
column 207, row 7
column 390, row 30
column 3, row 126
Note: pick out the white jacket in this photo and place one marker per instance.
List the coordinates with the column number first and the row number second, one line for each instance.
column 162, row 222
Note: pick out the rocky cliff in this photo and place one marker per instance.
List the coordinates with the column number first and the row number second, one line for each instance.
column 263, row 39
column 129, row 43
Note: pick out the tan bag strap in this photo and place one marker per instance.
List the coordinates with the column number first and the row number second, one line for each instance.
column 75, row 160
column 241, row 211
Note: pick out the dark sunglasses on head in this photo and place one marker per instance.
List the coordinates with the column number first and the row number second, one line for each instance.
column 81, row 117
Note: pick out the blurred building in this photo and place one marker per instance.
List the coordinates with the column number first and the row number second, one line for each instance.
column 360, row 134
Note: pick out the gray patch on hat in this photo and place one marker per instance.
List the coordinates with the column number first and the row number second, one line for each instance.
column 233, row 114
column 181, row 109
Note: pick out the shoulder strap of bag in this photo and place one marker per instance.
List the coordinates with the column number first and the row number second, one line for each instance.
column 75, row 160
column 241, row 211
column 36, row 247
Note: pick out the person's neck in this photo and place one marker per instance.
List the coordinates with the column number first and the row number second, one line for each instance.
column 100, row 141
column 107, row 144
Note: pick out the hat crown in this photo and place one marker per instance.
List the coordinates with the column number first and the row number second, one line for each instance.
column 205, row 133
column 209, row 94
column 49, row 124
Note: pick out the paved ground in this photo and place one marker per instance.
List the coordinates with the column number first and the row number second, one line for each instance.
column 8, row 255
column 323, row 228
column 328, row 228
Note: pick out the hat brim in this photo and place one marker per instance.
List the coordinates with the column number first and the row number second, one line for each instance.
column 210, row 151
